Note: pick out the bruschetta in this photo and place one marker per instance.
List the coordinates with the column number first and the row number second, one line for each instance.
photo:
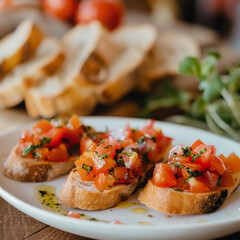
column 46, row 152
column 194, row 181
column 112, row 166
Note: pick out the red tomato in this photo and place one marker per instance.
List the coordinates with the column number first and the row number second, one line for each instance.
column 73, row 136
column 43, row 126
column 109, row 12
column 125, row 143
column 63, row 9
column 104, row 181
column 22, row 146
column 131, row 158
column 148, row 129
column 176, row 151
column 163, row 176
column 232, row 162
column 136, row 134
column 74, row 122
column 122, row 174
column 5, row 4
column 127, row 132
column 85, row 144
column 73, row 214
column 41, row 153
column 85, row 167
column 56, row 135
column 102, row 165
column 204, row 159
column 227, row 179
column 58, row 154
column 26, row 136
column 197, row 185
column 211, row 179
column 217, row 164
column 197, row 143
column 181, row 184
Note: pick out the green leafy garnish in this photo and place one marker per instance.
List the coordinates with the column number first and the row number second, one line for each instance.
column 120, row 162
column 45, row 140
column 127, row 154
column 108, row 146
column 86, row 167
column 154, row 139
column 29, row 149
column 177, row 165
column 36, row 155
column 192, row 173
column 187, row 152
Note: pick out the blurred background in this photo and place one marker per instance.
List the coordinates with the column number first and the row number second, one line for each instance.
column 161, row 32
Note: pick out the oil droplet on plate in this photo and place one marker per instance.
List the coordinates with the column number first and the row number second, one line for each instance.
column 144, row 223
column 47, row 197
column 229, row 214
column 127, row 204
column 139, row 210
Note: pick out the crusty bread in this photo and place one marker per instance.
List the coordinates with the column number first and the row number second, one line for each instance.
column 47, row 59
column 170, row 201
column 76, row 193
column 31, row 170
column 19, row 46
column 67, row 89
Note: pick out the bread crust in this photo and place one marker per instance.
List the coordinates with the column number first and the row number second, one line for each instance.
column 31, row 170
column 170, row 201
column 76, row 193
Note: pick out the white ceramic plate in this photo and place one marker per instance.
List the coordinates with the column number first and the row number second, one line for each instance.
column 225, row 221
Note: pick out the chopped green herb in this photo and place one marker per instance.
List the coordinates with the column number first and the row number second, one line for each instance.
column 219, row 181
column 120, row 162
column 141, row 139
column 196, row 156
column 110, row 171
column 43, row 193
column 135, row 150
column 93, row 219
column 177, row 165
column 134, row 130
column 45, row 140
column 59, row 127
column 108, row 146
column 174, row 153
column 36, row 155
column 192, row 173
column 127, row 154
column 86, row 167
column 154, row 139
column 101, row 142
column 187, row 152
column 29, row 149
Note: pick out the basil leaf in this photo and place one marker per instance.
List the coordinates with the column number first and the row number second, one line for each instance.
column 190, row 66
column 29, row 149
column 86, row 167
column 45, row 140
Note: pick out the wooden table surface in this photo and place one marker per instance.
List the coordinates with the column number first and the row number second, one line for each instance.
column 15, row 225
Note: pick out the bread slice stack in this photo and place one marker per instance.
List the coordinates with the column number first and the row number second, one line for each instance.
column 19, row 46
column 47, row 58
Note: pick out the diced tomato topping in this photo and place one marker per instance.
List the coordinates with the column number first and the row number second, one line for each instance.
column 232, row 162
column 138, row 171
column 148, row 129
column 181, row 184
column 73, row 136
column 131, row 158
column 125, row 143
column 73, row 214
column 205, row 152
column 74, row 122
column 107, row 146
column 85, row 167
column 176, row 151
column 56, row 135
column 122, row 174
column 127, row 132
column 227, row 179
column 43, row 126
column 196, row 144
column 102, row 165
column 25, row 145
column 41, row 153
column 104, row 181
column 197, row 185
column 217, row 164
column 163, row 176
column 85, row 144
column 26, row 136
column 211, row 179
column 58, row 154
column 136, row 134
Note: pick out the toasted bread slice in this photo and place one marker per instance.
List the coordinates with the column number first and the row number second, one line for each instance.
column 170, row 201
column 67, row 89
column 47, row 59
column 124, row 61
column 76, row 193
column 170, row 48
column 31, row 170
column 19, row 46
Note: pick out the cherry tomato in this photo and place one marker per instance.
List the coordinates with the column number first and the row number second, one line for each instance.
column 63, row 9
column 109, row 12
column 58, row 154
column 163, row 176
